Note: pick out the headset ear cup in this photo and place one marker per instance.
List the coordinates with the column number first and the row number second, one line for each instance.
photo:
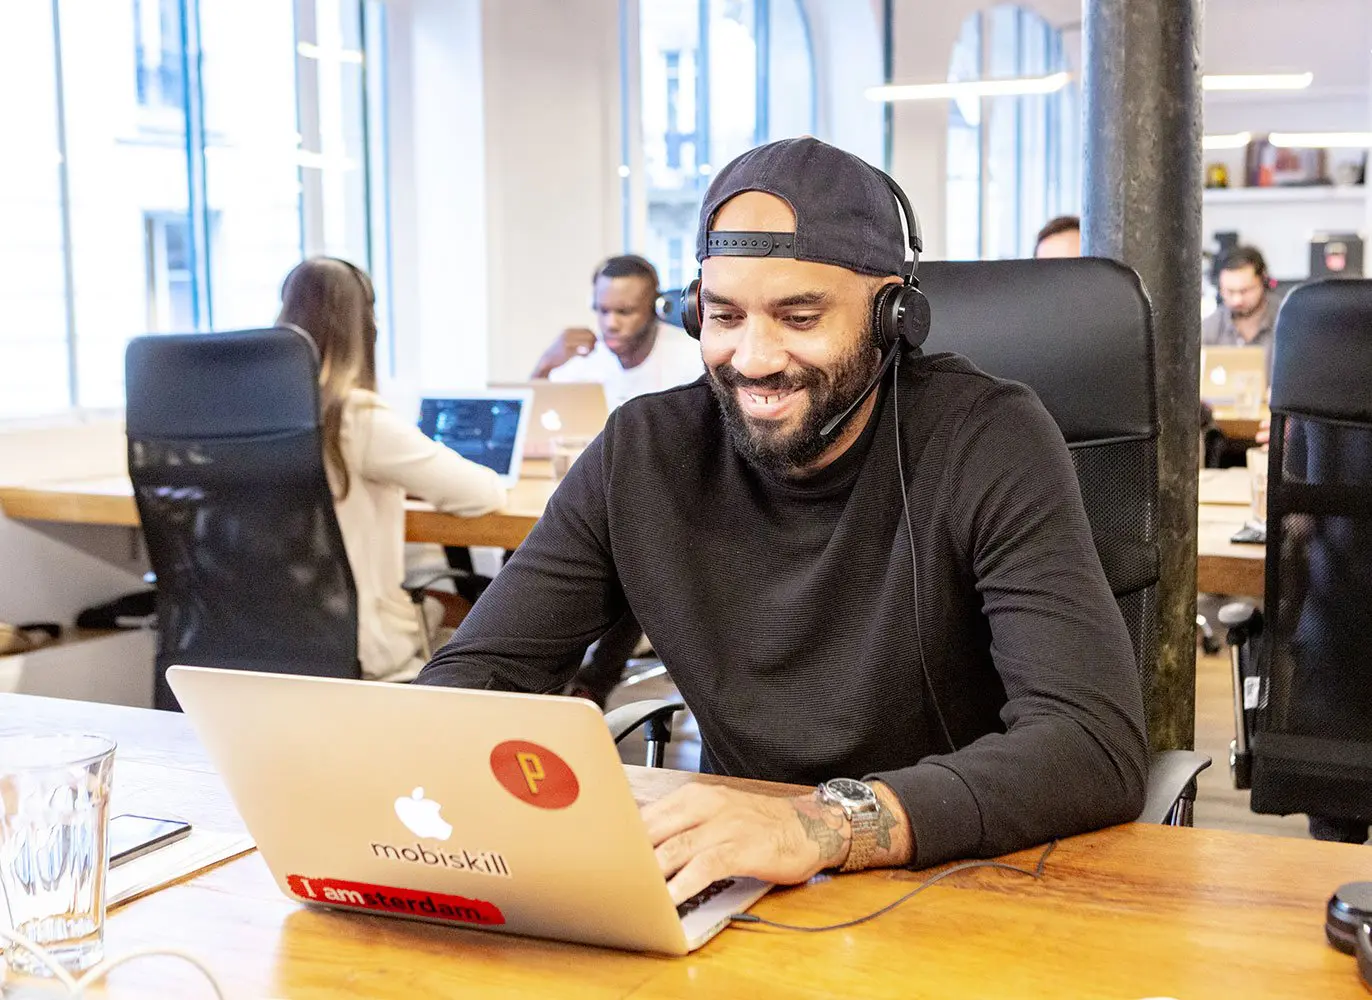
column 900, row 312
column 916, row 317
column 886, row 315
column 690, row 309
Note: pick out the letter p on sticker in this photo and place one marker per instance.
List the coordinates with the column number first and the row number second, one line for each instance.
column 532, row 769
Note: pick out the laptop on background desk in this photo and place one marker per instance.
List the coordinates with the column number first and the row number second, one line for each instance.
column 1234, row 380
column 487, row 426
column 480, row 809
column 575, row 409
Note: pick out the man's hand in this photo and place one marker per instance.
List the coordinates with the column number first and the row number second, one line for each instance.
column 574, row 342
column 706, row 832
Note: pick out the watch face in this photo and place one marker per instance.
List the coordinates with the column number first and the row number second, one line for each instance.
column 849, row 790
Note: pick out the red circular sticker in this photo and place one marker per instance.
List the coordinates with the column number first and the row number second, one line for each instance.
column 534, row 774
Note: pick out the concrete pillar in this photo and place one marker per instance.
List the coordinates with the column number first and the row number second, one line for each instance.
column 1142, row 206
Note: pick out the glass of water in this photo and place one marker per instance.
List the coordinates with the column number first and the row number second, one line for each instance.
column 54, row 813
column 566, row 449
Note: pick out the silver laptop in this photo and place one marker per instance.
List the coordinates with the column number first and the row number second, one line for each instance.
column 576, row 409
column 486, row 426
column 1234, row 379
column 482, row 809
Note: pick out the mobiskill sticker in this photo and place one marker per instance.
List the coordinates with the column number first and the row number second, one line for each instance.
column 534, row 774
column 389, row 899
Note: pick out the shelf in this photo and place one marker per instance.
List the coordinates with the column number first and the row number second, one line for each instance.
column 1290, row 195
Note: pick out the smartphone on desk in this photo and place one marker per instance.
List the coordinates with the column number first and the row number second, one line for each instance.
column 133, row 836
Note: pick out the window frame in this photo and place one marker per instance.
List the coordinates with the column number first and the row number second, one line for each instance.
column 152, row 114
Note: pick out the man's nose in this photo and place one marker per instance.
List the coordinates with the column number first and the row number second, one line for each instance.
column 759, row 352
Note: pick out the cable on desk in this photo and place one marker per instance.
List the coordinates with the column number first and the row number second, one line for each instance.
column 1036, row 872
column 77, row 987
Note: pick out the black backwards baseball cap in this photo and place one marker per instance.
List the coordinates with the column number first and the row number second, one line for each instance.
column 846, row 215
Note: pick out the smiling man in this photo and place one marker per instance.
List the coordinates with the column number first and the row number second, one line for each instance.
column 956, row 677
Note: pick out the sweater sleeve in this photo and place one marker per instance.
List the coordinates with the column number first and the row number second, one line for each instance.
column 389, row 450
column 1073, row 756
column 557, row 594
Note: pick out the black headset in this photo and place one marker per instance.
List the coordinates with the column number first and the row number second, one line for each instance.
column 900, row 313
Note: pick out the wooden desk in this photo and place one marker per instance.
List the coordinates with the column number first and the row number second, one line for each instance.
column 1221, row 566
column 1238, row 428
column 110, row 502
column 1135, row 911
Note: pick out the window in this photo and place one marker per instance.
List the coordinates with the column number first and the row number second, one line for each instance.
column 1013, row 162
column 177, row 158
column 157, row 53
column 171, row 278
column 716, row 78
column 34, row 339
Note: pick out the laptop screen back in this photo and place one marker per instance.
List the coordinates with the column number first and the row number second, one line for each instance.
column 486, row 429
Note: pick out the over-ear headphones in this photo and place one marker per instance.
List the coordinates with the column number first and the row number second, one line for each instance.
column 900, row 313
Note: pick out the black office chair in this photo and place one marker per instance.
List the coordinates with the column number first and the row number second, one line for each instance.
column 228, row 474
column 1080, row 334
column 1303, row 674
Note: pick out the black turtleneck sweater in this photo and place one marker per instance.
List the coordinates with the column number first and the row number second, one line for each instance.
column 787, row 614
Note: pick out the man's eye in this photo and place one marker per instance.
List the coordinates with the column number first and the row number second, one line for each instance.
column 723, row 318
column 802, row 322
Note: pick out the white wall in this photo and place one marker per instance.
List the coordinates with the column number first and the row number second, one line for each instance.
column 504, row 128
column 846, row 37
column 552, row 158
column 438, row 196
column 49, row 572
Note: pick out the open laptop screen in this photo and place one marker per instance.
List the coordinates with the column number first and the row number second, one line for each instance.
column 487, row 429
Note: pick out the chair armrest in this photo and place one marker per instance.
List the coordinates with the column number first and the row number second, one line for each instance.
column 655, row 715
column 420, row 580
column 1242, row 619
column 1170, row 774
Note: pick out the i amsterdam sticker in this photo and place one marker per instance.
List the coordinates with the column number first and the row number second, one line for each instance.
column 389, row 899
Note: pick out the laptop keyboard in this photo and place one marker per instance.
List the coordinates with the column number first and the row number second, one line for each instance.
column 703, row 896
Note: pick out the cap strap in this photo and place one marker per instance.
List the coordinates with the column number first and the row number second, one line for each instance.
column 719, row 243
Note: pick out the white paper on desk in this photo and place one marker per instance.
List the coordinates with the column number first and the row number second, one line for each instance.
column 201, row 850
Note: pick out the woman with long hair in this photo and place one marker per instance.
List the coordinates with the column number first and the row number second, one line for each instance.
column 374, row 458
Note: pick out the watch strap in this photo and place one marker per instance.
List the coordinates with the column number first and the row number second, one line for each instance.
column 863, row 844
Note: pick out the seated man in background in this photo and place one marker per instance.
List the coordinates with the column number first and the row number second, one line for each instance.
column 1248, row 311
column 1060, row 237
column 634, row 354
column 765, row 523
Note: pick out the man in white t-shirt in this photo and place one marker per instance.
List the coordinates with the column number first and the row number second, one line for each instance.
column 634, row 354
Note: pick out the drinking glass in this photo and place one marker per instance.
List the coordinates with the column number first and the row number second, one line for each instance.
column 54, row 797
column 565, row 451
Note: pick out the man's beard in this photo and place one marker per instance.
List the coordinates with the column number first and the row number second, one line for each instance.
column 764, row 443
column 1252, row 310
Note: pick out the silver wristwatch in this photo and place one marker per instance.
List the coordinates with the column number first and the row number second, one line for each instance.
column 863, row 809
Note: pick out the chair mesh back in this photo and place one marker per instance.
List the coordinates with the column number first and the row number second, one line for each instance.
column 1312, row 741
column 1079, row 333
column 1312, row 749
column 1119, row 489
column 228, row 474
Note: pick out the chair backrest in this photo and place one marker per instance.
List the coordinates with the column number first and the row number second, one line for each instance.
column 1312, row 742
column 1079, row 332
column 228, row 473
